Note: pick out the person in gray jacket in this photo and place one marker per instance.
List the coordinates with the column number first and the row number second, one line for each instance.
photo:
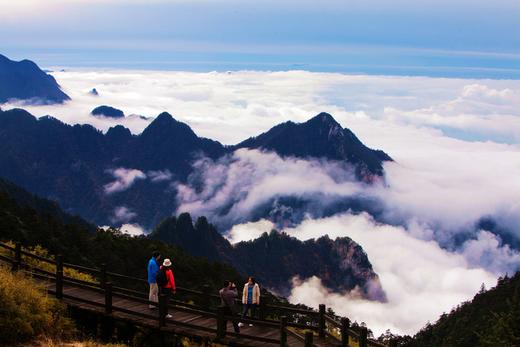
column 228, row 295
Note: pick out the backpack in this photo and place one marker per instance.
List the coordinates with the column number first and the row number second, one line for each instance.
column 160, row 278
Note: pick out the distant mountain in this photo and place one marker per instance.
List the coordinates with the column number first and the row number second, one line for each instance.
column 75, row 165
column 276, row 258
column 321, row 137
column 119, row 177
column 24, row 80
column 107, row 111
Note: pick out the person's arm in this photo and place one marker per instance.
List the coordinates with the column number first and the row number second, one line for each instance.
column 171, row 279
column 173, row 283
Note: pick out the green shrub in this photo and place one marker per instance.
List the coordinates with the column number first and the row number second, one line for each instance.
column 26, row 312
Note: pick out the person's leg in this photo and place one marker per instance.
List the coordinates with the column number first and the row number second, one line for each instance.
column 236, row 325
column 168, row 298
column 253, row 311
column 154, row 294
column 244, row 312
column 167, row 293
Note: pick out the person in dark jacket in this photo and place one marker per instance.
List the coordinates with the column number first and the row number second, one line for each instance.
column 228, row 295
column 153, row 268
column 168, row 287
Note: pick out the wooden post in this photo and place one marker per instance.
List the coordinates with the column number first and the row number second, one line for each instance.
column 262, row 314
column 163, row 309
column 363, row 336
column 283, row 331
column 108, row 298
column 321, row 321
column 206, row 297
column 345, row 325
column 59, row 276
column 103, row 275
column 17, row 256
column 221, row 322
column 309, row 337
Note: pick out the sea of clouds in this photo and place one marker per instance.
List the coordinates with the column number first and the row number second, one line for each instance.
column 455, row 143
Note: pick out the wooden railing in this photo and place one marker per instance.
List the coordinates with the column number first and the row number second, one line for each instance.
column 290, row 319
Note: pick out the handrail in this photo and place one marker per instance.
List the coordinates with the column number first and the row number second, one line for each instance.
column 6, row 246
column 82, row 268
column 320, row 316
column 38, row 257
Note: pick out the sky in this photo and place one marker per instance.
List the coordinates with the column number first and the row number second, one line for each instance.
column 432, row 38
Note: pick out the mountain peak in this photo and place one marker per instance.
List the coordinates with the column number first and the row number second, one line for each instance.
column 164, row 117
column 165, row 126
column 323, row 118
column 321, row 137
column 119, row 131
column 24, row 80
column 107, row 111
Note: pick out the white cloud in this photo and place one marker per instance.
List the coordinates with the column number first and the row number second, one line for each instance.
column 421, row 280
column 160, row 175
column 249, row 231
column 236, row 185
column 477, row 109
column 232, row 106
column 486, row 250
column 125, row 178
column 123, row 214
column 132, row 229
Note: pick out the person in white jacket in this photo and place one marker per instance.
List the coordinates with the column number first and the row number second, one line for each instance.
column 250, row 298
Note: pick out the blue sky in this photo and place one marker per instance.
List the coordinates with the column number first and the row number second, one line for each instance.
column 435, row 38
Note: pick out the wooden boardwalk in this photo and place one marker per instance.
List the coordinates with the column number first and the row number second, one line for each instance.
column 203, row 322
column 183, row 322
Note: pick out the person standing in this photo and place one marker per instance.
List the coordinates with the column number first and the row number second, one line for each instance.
column 228, row 294
column 166, row 282
column 250, row 298
column 153, row 268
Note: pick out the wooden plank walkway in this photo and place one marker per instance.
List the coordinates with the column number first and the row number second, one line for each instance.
column 74, row 296
column 199, row 322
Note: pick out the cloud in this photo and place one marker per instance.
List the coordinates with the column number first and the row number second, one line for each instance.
column 159, row 175
column 421, row 279
column 438, row 184
column 123, row 214
column 132, row 229
column 487, row 251
column 232, row 106
column 249, row 231
column 231, row 189
column 125, row 178
column 478, row 110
